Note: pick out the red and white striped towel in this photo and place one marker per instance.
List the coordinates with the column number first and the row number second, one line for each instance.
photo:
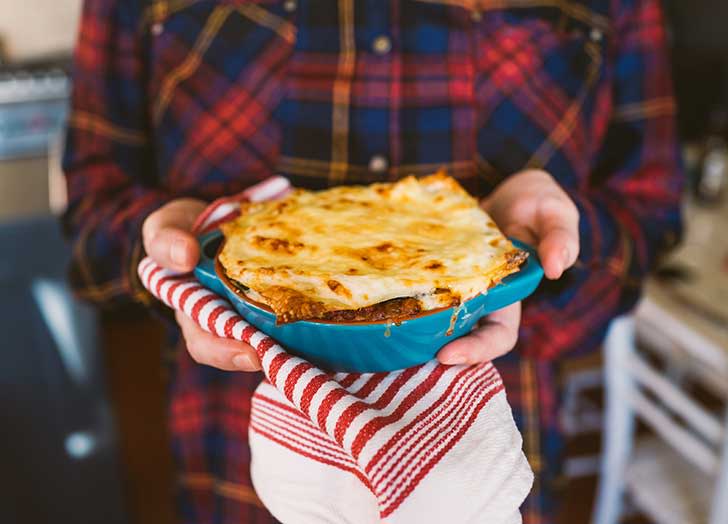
column 428, row 444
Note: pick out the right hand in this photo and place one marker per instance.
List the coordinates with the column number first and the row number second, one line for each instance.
column 169, row 242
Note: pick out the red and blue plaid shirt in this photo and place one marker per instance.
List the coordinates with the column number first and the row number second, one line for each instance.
column 202, row 98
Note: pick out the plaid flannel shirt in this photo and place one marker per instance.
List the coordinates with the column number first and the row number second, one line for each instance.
column 202, row 98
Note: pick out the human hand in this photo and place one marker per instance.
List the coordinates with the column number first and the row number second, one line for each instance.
column 168, row 240
column 532, row 207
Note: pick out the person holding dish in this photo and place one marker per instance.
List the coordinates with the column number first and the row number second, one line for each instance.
column 559, row 118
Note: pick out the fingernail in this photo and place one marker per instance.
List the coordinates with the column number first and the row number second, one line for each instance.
column 244, row 362
column 178, row 252
column 566, row 257
column 455, row 359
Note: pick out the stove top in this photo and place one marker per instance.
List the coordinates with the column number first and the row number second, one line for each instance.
column 33, row 106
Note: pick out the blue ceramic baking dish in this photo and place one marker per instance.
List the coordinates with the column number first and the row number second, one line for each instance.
column 369, row 346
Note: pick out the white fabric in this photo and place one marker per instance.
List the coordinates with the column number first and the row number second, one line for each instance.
column 483, row 479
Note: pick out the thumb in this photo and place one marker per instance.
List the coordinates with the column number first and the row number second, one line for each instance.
column 167, row 237
column 174, row 249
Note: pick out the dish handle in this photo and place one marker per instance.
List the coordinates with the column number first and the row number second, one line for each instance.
column 205, row 269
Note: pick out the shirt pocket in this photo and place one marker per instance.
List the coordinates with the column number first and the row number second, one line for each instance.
column 539, row 68
column 215, row 78
column 198, row 44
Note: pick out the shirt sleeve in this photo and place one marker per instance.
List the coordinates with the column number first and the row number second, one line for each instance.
column 108, row 161
column 630, row 211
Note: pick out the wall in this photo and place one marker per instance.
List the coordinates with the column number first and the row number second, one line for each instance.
column 32, row 29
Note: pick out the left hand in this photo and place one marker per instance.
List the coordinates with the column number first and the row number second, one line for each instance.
column 532, row 207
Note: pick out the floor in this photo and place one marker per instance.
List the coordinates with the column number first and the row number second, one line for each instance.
column 137, row 388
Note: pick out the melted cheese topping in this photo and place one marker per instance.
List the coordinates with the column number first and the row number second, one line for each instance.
column 355, row 246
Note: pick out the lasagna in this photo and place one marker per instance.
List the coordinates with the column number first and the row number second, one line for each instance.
column 383, row 252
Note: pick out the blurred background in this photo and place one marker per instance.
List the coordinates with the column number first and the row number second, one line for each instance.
column 82, row 433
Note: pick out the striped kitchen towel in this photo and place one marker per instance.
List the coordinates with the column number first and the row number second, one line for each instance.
column 427, row 444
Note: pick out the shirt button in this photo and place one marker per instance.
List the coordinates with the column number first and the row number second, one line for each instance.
column 378, row 164
column 157, row 29
column 289, row 6
column 382, row 45
column 596, row 35
column 476, row 16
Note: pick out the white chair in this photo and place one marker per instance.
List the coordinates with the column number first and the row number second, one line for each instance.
column 680, row 476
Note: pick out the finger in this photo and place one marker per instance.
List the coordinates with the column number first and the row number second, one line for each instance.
column 174, row 249
column 166, row 234
column 222, row 353
column 496, row 337
column 558, row 251
column 166, row 237
column 522, row 233
column 558, row 232
column 180, row 213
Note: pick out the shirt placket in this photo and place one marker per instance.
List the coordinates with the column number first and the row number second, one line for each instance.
column 366, row 93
